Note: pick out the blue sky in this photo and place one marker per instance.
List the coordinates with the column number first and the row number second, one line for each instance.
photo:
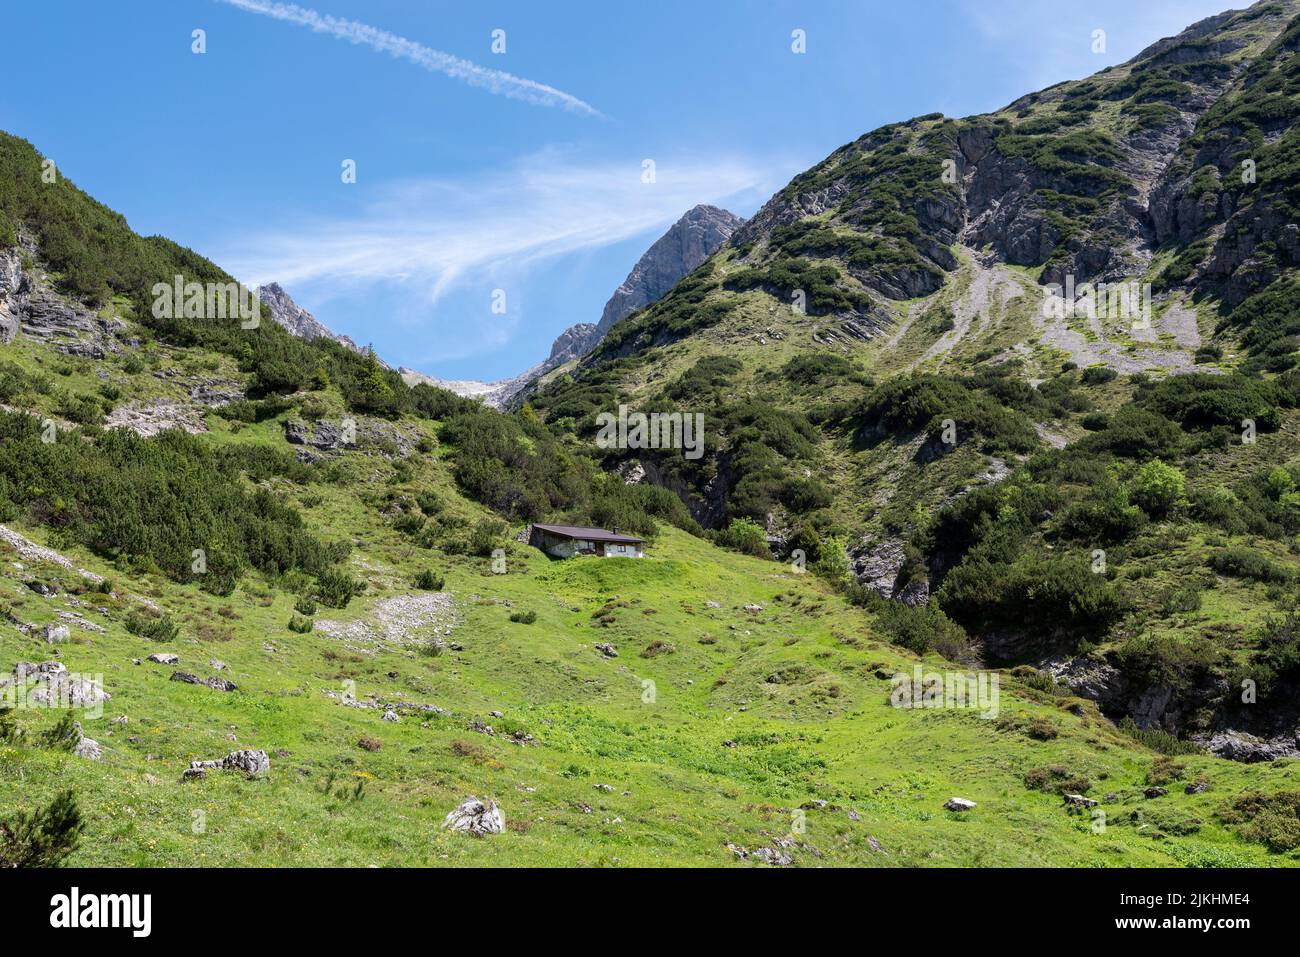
column 469, row 181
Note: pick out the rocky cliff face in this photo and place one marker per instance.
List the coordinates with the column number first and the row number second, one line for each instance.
column 1188, row 147
column 690, row 241
column 298, row 320
column 30, row 307
column 573, row 342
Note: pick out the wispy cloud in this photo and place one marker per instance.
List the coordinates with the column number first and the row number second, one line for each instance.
column 428, row 235
column 435, row 61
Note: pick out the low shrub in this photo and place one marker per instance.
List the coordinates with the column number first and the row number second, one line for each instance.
column 429, row 580
column 1248, row 563
column 1269, row 819
column 155, row 629
column 335, row 588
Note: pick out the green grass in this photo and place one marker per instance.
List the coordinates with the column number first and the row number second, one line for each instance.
column 826, row 732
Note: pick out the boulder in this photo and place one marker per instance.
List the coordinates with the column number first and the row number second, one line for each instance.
column 216, row 684
column 164, row 658
column 1240, row 746
column 248, row 761
column 959, row 804
column 86, row 747
column 476, row 817
column 57, row 633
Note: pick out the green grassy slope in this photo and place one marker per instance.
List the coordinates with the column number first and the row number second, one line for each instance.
column 824, row 731
column 749, row 704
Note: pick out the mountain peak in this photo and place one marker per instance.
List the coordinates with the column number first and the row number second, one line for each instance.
column 297, row 320
column 688, row 242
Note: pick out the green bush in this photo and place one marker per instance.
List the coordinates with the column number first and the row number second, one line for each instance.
column 1045, row 595
column 1181, row 600
column 429, row 580
column 1103, row 515
column 155, row 629
column 487, row 535
column 155, row 500
column 1098, row 375
column 1056, row 779
column 523, row 617
column 924, row 628
column 1248, row 563
column 1157, row 740
column 1269, row 819
column 300, row 624
column 430, row 502
column 335, row 588
column 1134, row 433
column 44, row 837
column 1201, row 401
column 63, row 735
column 1158, row 488
column 744, row 535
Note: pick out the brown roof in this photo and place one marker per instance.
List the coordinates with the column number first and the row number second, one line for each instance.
column 590, row 534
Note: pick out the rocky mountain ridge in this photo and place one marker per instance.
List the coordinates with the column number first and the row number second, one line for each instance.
column 686, row 244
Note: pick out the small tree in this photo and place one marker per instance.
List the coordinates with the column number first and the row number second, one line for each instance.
column 335, row 588
column 1280, row 483
column 810, row 542
column 487, row 536
column 834, row 562
column 1158, row 488
column 429, row 580
column 745, row 535
column 44, row 837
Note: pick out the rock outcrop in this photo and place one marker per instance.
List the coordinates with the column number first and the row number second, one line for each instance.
column 30, row 306
column 476, row 817
column 675, row 254
column 298, row 320
column 248, row 761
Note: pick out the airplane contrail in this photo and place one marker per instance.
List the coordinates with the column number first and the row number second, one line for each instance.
column 435, row 61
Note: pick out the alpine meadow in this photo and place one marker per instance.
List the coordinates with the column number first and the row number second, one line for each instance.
column 942, row 510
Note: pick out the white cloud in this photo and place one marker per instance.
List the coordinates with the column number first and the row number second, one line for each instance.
column 435, row 61
column 426, row 236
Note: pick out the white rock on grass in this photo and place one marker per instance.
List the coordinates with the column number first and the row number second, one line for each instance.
column 86, row 747
column 249, row 761
column 959, row 804
column 476, row 817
